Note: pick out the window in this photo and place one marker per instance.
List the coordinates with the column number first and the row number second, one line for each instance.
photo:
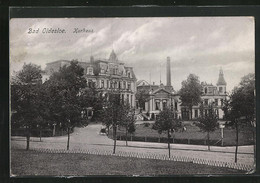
column 206, row 112
column 111, row 84
column 102, row 83
column 107, row 83
column 129, row 74
column 90, row 70
column 124, row 84
column 128, row 86
column 222, row 102
column 131, row 100
column 90, row 83
column 216, row 102
column 115, row 84
column 196, row 113
column 206, row 101
column 176, row 106
column 205, row 90
column 164, row 104
column 127, row 96
column 119, row 84
column 220, row 89
column 157, row 105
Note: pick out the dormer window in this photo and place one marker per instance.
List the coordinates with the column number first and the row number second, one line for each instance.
column 129, row 74
column 90, row 71
column 205, row 90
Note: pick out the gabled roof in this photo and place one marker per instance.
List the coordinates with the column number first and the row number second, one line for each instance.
column 140, row 82
column 161, row 89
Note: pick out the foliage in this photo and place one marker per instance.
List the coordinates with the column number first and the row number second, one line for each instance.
column 142, row 97
column 24, row 98
column 166, row 122
column 190, row 93
column 207, row 122
column 240, row 108
column 116, row 113
column 91, row 97
column 64, row 96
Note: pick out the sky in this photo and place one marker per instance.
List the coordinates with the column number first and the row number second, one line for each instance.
column 198, row 45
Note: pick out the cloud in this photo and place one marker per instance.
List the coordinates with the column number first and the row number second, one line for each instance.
column 195, row 44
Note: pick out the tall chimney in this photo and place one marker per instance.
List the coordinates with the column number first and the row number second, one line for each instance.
column 168, row 72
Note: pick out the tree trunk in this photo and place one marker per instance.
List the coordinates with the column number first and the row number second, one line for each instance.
column 68, row 142
column 208, row 142
column 28, row 139
column 190, row 112
column 27, row 142
column 114, row 133
column 236, row 141
column 254, row 146
column 40, row 134
column 126, row 133
column 169, row 148
column 107, row 130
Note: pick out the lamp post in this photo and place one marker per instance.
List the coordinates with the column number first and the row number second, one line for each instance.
column 221, row 126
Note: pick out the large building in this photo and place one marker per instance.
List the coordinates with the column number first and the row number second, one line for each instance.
column 105, row 74
column 160, row 96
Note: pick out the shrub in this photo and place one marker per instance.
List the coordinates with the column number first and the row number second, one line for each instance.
column 146, row 124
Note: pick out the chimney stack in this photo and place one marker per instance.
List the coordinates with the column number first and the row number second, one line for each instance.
column 168, row 72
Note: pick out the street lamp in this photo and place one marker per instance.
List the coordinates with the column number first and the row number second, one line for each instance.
column 221, row 126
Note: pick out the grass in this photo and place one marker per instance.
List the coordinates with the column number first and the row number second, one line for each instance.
column 193, row 132
column 26, row 163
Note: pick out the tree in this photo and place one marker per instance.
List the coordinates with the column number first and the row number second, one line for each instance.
column 142, row 97
column 64, row 91
column 240, row 108
column 114, row 113
column 24, row 98
column 166, row 122
column 128, row 120
column 207, row 122
column 190, row 93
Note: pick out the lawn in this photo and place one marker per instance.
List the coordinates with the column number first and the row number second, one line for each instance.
column 36, row 163
column 192, row 135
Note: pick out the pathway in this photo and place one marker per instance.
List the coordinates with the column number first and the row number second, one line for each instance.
column 89, row 138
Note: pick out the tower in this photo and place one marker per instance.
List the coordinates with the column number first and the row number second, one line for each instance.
column 221, row 84
column 113, row 57
column 168, row 72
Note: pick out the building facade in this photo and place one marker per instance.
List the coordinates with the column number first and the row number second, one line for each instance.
column 158, row 96
column 211, row 95
column 104, row 74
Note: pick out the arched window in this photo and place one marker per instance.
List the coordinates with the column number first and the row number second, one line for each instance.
column 205, row 90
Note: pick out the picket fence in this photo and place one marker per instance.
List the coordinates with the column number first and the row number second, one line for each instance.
column 153, row 156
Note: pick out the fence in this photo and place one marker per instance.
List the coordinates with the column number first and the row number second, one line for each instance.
column 165, row 140
column 153, row 156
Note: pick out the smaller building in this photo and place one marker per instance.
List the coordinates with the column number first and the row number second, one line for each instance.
column 211, row 94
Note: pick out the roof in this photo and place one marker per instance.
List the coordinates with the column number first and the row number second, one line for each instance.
column 221, row 80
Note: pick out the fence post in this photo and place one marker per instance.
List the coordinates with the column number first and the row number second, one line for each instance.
column 131, row 137
column 145, row 138
column 205, row 142
column 188, row 141
column 159, row 140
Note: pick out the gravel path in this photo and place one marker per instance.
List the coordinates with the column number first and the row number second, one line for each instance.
column 89, row 138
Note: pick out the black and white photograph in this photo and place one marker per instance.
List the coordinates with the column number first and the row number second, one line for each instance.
column 132, row 96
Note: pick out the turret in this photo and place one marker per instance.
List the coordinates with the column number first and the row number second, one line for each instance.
column 221, row 84
column 113, row 57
